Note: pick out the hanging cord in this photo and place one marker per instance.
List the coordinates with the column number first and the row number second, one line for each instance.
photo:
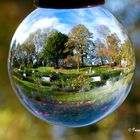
column 67, row 4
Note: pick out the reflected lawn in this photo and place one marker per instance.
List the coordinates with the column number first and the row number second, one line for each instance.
column 77, row 107
column 74, row 109
column 39, row 91
column 98, row 93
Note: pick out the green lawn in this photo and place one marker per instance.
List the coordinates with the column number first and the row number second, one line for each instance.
column 104, row 93
column 74, row 71
column 95, row 93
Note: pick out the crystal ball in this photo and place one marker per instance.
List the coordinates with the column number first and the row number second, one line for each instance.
column 71, row 67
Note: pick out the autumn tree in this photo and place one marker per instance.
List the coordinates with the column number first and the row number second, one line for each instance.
column 111, row 51
column 114, row 48
column 101, row 50
column 127, row 53
column 54, row 48
column 78, row 39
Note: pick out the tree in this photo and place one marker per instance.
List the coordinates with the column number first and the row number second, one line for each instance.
column 111, row 52
column 103, row 31
column 114, row 48
column 54, row 48
column 39, row 40
column 17, row 57
column 127, row 53
column 101, row 50
column 27, row 49
column 78, row 39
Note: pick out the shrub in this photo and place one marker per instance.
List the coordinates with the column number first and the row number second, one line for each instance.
column 29, row 79
column 68, row 89
column 17, row 73
column 55, row 88
column 97, row 84
column 28, row 71
column 43, row 83
column 116, row 73
column 112, row 74
column 105, row 76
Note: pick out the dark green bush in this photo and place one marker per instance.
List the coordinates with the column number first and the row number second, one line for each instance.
column 43, row 83
column 112, row 74
column 116, row 73
column 17, row 73
column 29, row 79
column 105, row 76
column 97, row 84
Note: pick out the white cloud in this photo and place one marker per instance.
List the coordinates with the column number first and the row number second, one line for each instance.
column 44, row 23
column 90, row 18
column 94, row 18
column 25, row 29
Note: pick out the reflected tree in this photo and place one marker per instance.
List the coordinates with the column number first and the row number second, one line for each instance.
column 39, row 41
column 27, row 49
column 127, row 54
column 101, row 54
column 114, row 45
column 103, row 30
column 79, row 36
column 54, row 48
column 110, row 53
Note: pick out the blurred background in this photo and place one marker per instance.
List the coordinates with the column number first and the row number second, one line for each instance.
column 16, row 123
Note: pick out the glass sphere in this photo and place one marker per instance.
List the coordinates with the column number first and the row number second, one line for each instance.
column 71, row 67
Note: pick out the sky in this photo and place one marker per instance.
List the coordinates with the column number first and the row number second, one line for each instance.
column 128, row 12
column 65, row 20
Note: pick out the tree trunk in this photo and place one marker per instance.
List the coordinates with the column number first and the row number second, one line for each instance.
column 78, row 64
column 82, row 59
column 56, row 63
column 30, row 60
column 102, row 62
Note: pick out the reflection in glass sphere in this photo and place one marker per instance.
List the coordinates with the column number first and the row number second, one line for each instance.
column 71, row 67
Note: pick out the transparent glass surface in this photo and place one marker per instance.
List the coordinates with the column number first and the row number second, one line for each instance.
column 71, row 67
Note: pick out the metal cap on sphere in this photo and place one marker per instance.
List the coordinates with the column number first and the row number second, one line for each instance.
column 64, row 4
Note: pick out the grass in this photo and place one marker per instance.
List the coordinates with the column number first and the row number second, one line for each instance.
column 102, row 94
column 105, row 71
column 27, row 84
column 74, row 71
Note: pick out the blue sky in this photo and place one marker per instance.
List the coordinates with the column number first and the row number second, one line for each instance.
column 65, row 20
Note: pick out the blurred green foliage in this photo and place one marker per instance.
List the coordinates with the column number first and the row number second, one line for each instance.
column 16, row 123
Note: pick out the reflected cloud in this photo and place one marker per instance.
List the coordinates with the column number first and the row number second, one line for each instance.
column 68, row 19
